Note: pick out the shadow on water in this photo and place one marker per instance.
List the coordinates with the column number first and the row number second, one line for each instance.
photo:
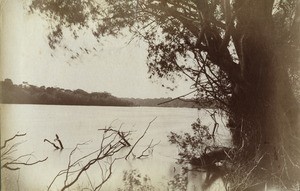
column 209, row 179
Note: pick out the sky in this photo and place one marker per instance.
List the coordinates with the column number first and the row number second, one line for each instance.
column 115, row 66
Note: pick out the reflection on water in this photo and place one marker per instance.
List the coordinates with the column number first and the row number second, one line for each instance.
column 200, row 180
column 78, row 124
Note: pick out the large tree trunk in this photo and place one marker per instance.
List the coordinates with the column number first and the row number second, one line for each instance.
column 264, row 112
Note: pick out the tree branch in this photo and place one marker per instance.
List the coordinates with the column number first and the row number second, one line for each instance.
column 149, row 149
column 7, row 165
column 177, row 97
column 140, row 138
column 16, row 135
column 173, row 13
column 54, row 145
column 11, row 162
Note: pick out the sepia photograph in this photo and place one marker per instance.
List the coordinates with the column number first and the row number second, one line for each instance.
column 150, row 95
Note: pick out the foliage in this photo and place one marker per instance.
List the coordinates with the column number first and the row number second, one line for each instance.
column 194, row 145
column 134, row 181
column 179, row 182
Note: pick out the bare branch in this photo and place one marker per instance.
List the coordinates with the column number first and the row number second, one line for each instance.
column 140, row 138
column 54, row 145
column 149, row 148
column 59, row 141
column 107, row 177
column 8, row 164
column 11, row 162
column 122, row 135
column 177, row 97
column 16, row 135
column 111, row 143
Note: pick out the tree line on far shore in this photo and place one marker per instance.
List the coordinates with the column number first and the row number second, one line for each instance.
column 30, row 94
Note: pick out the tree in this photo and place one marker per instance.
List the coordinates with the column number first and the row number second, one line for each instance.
column 240, row 53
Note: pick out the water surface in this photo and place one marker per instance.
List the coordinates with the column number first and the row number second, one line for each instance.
column 78, row 124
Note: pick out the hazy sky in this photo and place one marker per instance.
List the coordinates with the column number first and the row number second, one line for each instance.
column 114, row 67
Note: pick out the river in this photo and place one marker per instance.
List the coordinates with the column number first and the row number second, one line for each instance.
column 80, row 124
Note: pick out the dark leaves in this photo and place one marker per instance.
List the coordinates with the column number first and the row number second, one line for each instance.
column 192, row 145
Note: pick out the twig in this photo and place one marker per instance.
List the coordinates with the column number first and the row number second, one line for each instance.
column 54, row 145
column 150, row 146
column 69, row 163
column 249, row 173
column 140, row 138
column 7, row 165
column 59, row 141
column 16, row 135
column 67, row 171
column 88, row 165
column 89, row 180
column 121, row 134
column 106, row 150
column 111, row 143
column 177, row 98
column 109, row 175
column 10, row 150
column 12, row 163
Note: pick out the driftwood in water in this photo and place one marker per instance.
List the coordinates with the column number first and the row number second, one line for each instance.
column 53, row 144
column 59, row 141
column 121, row 134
